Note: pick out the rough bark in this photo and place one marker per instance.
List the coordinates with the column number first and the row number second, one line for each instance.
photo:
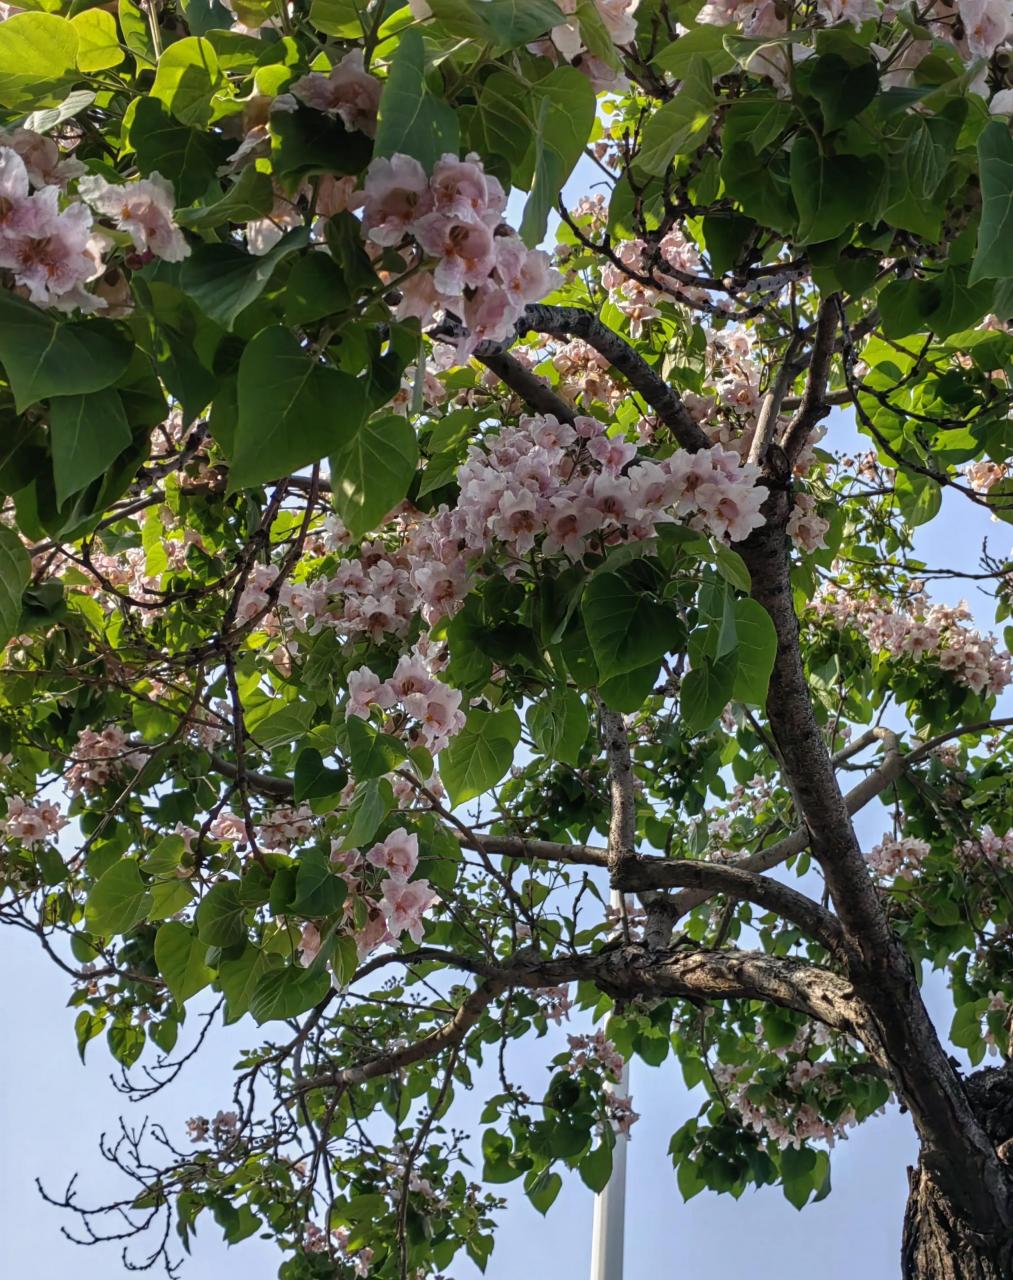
column 938, row 1243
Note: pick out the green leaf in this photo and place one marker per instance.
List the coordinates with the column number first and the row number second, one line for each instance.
column 373, row 472
column 842, row 89
column 221, row 916
column 756, row 649
column 316, row 287
column 627, row 692
column 704, row 41
column 944, row 304
column 292, row 409
column 224, row 280
column 565, row 105
column 371, row 803
column 706, row 691
column 312, row 780
column 832, row 193
column 411, row 119
column 285, row 993
column 87, row 1026
column 118, row 900
column 250, row 196
column 682, row 123
column 187, row 78
column 288, row 722
column 38, row 59
column 595, row 1168
column 46, row 356
column 318, row 891
column 180, row 959
column 994, row 257
column 98, row 41
column 169, row 897
column 189, row 158
column 15, row 572
column 559, row 725
column 238, row 979
column 627, row 629
column 480, row 754
column 542, row 1189
column 918, row 497
column 86, row 434
column 337, row 17
column 372, row 754
column 507, row 22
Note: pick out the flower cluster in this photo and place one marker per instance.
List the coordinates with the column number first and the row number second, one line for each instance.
column 99, row 757
column 316, row 1240
column 918, row 629
column 597, row 1052
column 49, row 244
column 32, row 824
column 993, row 848
column 574, row 489
column 461, row 256
column 786, row 1124
column 666, row 263
column 435, row 706
column 897, row 857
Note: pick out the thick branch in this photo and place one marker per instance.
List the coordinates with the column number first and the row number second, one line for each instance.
column 573, row 322
column 713, row 877
column 626, row 972
column 813, row 405
column 531, row 388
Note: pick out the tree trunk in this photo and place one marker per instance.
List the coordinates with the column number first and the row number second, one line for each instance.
column 938, row 1244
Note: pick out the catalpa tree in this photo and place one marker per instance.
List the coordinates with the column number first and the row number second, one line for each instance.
column 381, row 588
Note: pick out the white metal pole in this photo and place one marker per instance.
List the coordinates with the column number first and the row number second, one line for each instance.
column 607, row 1231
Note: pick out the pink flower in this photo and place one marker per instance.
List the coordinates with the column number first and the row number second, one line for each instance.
column 227, row 826
column 365, row 690
column 398, row 855
column 347, row 91
column 439, row 713
column 335, row 195
column 410, row 676
column 462, row 192
column 526, row 275
column 465, row 250
column 618, row 20
column 56, row 256
column 397, row 194
column 18, row 213
column 144, row 210
column 731, row 511
column 490, row 315
column 310, row 943
column 403, row 906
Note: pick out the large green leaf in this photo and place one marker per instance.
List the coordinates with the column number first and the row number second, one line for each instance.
column 220, row 917
column 994, row 258
column 118, row 900
column 565, row 105
column 412, row 120
column 480, row 754
column 86, row 434
column 223, row 279
column 15, row 571
column 627, row 629
column 285, row 993
column 292, row 409
column 559, row 725
column 372, row 754
column 373, row 472
column 251, row 196
column 682, row 123
column 180, row 958
column 756, row 648
column 842, row 89
column 239, row 977
column 832, row 192
column 187, row 78
column 188, row 157
column 318, row 891
column 706, row 690
column 943, row 304
column 508, row 23
column 98, row 41
column 38, row 59
column 44, row 355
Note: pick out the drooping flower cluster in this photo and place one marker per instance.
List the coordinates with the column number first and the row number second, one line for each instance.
column 31, row 824
column 48, row 243
column 897, row 857
column 989, row 846
column 434, row 705
column 347, row 91
column 674, row 257
column 920, row 630
column 461, row 256
column 597, row 1052
column 316, row 1240
column 100, row 756
column 574, row 490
